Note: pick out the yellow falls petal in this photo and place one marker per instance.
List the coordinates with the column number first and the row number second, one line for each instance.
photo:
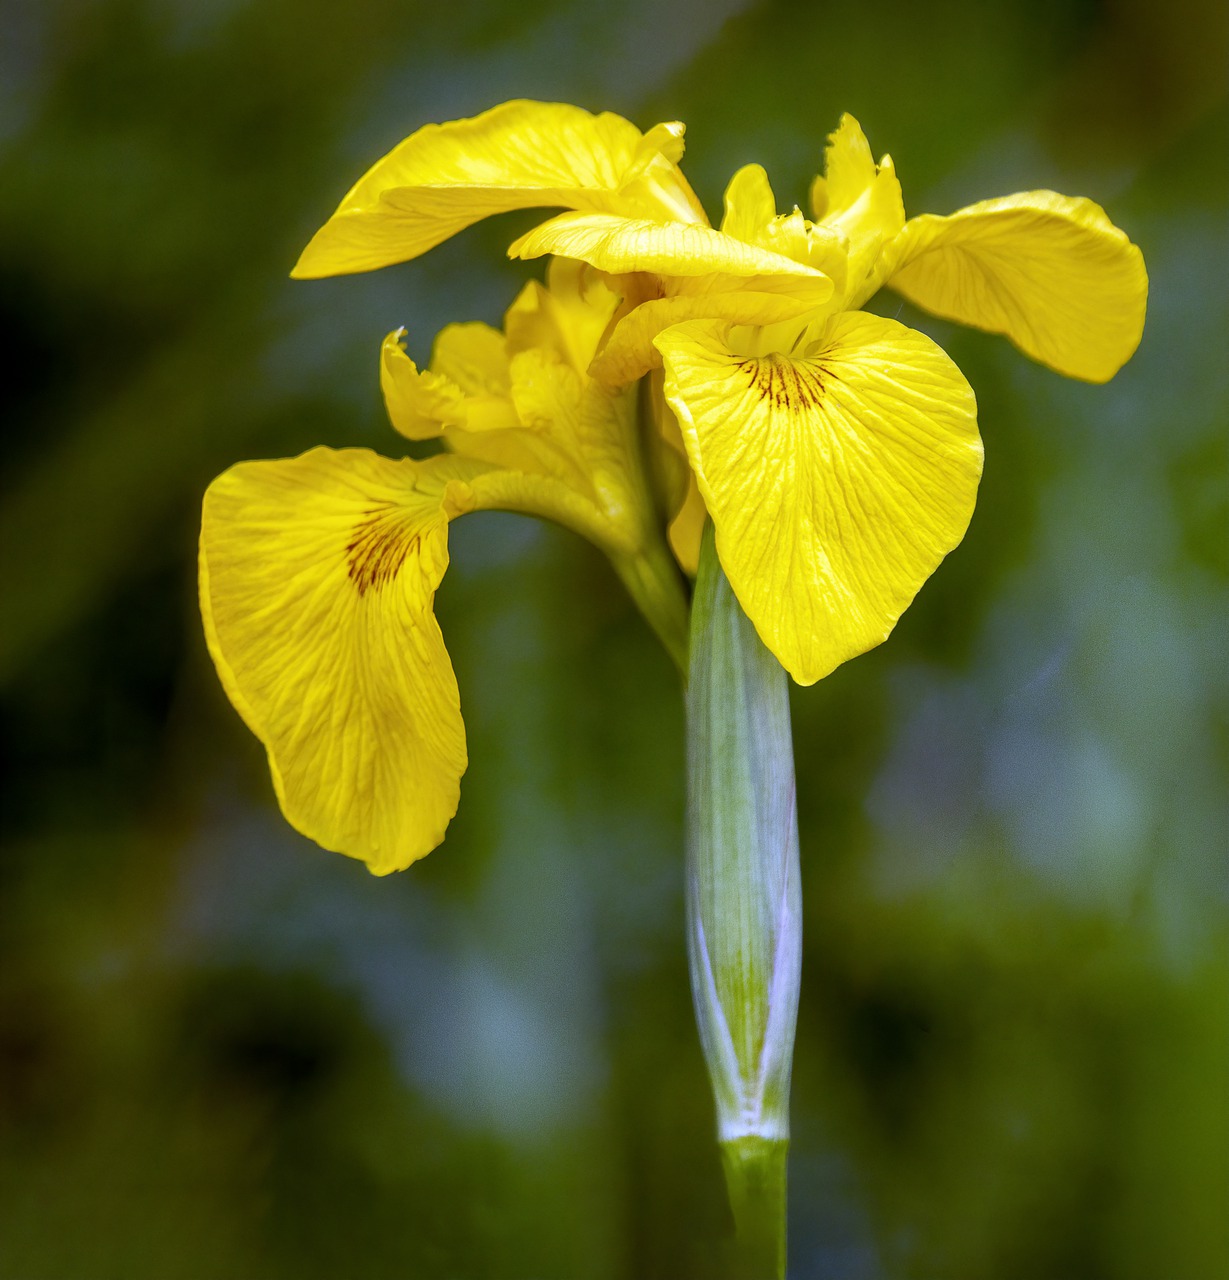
column 618, row 245
column 836, row 482
column 317, row 579
column 1050, row 272
column 518, row 155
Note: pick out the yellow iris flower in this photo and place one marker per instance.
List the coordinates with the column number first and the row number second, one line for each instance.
column 835, row 451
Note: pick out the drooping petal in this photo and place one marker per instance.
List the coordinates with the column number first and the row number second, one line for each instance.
column 317, row 579
column 617, row 245
column 836, row 482
column 519, row 155
column 1050, row 272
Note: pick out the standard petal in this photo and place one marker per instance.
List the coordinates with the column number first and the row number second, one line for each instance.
column 1051, row 272
column 519, row 155
column 618, row 245
column 836, row 482
column 317, row 578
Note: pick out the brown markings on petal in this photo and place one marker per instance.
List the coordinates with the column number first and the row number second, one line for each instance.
column 784, row 383
column 378, row 547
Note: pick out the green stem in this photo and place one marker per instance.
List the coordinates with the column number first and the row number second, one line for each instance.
column 744, row 904
column 755, row 1179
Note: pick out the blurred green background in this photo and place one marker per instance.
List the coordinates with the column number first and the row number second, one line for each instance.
column 226, row 1055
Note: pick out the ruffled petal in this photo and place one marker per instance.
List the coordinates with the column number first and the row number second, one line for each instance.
column 423, row 404
column 1050, row 272
column 836, row 482
column 861, row 202
column 618, row 245
column 317, row 580
column 519, row 155
column 855, row 191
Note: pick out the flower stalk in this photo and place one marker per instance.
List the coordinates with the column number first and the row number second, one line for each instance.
column 744, row 904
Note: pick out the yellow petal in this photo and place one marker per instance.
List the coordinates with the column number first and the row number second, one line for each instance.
column 836, row 482
column 860, row 201
column 519, row 155
column 317, row 579
column 749, row 204
column 473, row 357
column 629, row 352
column 849, row 171
column 568, row 315
column 618, row 245
column 812, row 289
column 423, row 404
column 1051, row 272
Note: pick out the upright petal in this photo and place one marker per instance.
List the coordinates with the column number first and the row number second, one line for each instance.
column 853, row 185
column 836, row 482
column 749, row 204
column 1051, row 272
column 751, row 215
column 519, row 155
column 860, row 200
column 317, row 579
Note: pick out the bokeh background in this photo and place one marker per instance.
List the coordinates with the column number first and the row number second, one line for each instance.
column 227, row 1055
